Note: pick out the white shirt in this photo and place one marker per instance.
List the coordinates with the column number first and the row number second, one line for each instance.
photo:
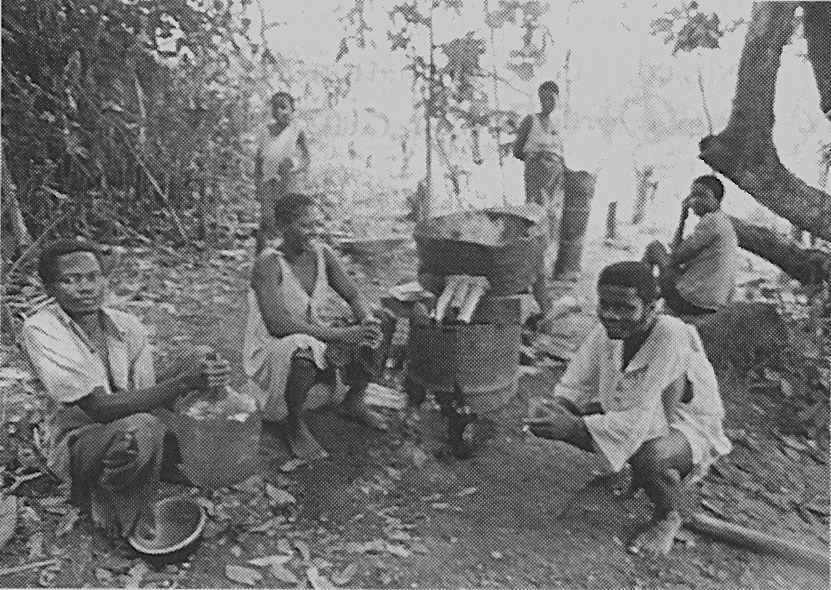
column 632, row 398
column 69, row 367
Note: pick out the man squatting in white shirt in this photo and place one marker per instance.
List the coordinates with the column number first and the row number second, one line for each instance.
column 640, row 390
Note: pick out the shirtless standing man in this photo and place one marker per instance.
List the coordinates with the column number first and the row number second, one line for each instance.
column 281, row 163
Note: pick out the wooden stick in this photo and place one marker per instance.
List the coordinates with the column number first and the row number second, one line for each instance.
column 27, row 566
column 732, row 533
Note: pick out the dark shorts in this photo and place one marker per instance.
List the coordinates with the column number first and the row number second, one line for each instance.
column 677, row 303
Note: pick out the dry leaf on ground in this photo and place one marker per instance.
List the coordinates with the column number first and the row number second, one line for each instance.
column 318, row 581
column 291, row 465
column 279, row 497
column 303, row 549
column 135, row 576
column 343, row 578
column 284, row 574
column 270, row 560
column 243, row 575
column 398, row 550
column 35, row 546
column 67, row 522
column 8, row 518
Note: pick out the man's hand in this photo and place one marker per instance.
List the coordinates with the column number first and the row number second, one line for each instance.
column 558, row 424
column 364, row 333
column 210, row 370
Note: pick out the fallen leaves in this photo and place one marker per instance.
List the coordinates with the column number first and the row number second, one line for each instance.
column 67, row 522
column 318, row 581
column 346, row 575
column 35, row 546
column 398, row 550
column 270, row 560
column 8, row 518
column 284, row 574
column 303, row 548
column 291, row 465
column 279, row 498
column 243, row 575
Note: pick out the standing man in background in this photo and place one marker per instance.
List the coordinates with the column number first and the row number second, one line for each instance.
column 281, row 163
column 539, row 143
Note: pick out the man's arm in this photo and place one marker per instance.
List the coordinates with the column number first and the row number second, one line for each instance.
column 703, row 235
column 106, row 407
column 522, row 137
column 580, row 384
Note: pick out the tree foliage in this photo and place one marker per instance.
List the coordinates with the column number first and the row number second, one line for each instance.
column 116, row 109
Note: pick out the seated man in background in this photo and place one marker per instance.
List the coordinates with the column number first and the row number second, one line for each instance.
column 698, row 275
column 97, row 368
column 640, row 390
column 288, row 348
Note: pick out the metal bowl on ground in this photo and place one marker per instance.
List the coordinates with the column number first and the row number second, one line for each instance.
column 179, row 523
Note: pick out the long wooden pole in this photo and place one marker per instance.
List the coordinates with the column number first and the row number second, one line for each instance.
column 738, row 535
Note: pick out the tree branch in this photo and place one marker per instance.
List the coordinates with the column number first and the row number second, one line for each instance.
column 744, row 151
column 817, row 19
column 806, row 266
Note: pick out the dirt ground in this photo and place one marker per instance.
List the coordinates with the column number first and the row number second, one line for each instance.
column 520, row 513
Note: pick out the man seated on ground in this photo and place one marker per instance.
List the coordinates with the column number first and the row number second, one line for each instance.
column 640, row 390
column 97, row 368
column 288, row 348
column 698, row 275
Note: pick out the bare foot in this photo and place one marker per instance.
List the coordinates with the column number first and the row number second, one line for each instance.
column 364, row 414
column 659, row 536
column 302, row 443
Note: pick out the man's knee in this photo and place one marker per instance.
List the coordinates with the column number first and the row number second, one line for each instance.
column 303, row 360
column 145, row 428
column 659, row 455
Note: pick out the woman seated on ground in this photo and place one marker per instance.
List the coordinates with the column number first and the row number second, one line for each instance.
column 288, row 349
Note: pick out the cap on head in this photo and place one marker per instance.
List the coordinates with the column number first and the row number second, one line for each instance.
column 549, row 86
column 48, row 261
column 712, row 183
column 631, row 273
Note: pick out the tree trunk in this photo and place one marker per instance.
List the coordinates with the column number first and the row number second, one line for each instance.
column 817, row 19
column 12, row 218
column 644, row 191
column 744, row 151
column 806, row 266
